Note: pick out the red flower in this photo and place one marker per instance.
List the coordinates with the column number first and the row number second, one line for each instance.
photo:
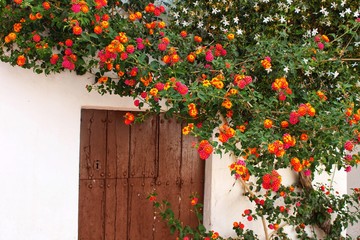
column 349, row 145
column 272, row 181
column 129, row 118
column 194, row 201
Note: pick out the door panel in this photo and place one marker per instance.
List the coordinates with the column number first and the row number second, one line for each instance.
column 120, row 165
column 91, row 210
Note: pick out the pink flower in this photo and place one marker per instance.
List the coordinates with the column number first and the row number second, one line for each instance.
column 267, row 58
column 248, row 79
column 140, row 46
column 137, row 102
column 76, row 8
column 68, row 64
column 68, row 52
column 181, row 88
column 242, row 84
column 143, row 94
column 294, row 118
column 162, row 47
column 348, row 169
column 317, row 38
column 159, row 86
column 307, row 172
column 209, row 56
column 320, row 45
column 130, row 49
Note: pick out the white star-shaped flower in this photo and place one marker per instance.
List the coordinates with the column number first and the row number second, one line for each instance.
column 297, row 10
column 215, row 11
column 286, row 69
column 282, row 19
column 200, row 24
column 268, row 70
column 305, row 60
column 356, row 13
column 314, row 31
column 185, row 10
column 266, row 19
column 176, row 15
column 236, row 20
column 307, row 73
column 239, row 32
column 348, row 11
column 354, row 64
column 323, row 11
column 342, row 14
column 336, row 74
column 213, row 27
column 196, row 3
column 226, row 23
column 334, row 5
column 343, row 3
column 356, row 44
column 289, row 2
column 185, row 23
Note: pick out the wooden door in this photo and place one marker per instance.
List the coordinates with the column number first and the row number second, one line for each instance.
column 120, row 165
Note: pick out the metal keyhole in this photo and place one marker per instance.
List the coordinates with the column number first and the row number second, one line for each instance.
column 97, row 165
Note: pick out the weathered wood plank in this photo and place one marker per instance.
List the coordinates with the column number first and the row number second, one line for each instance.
column 118, row 146
column 93, row 144
column 116, row 209
column 143, row 150
column 91, row 209
column 192, row 179
column 140, row 211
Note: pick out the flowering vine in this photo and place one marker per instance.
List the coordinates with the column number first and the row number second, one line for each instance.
column 276, row 83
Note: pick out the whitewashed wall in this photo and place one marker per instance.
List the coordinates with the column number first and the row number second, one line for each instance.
column 39, row 147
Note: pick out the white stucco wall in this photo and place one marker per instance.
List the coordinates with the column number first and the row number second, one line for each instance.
column 39, row 144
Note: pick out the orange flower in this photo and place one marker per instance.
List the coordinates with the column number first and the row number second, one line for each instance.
column 138, row 15
column 18, row 1
column 197, row 39
column 38, row 16
column 103, row 80
column 284, row 124
column 227, row 104
column 98, row 29
column 32, row 16
column 17, row 27
column 12, row 36
column 104, row 24
column 191, row 57
column 325, row 38
column 129, row 118
column 268, row 123
column 194, row 201
column 192, row 110
column 46, row 5
column 21, row 60
column 132, row 17
column 304, row 137
column 77, row 30
column 230, row 36
column 241, row 128
column 321, row 95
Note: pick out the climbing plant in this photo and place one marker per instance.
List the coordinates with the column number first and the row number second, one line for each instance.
column 273, row 83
